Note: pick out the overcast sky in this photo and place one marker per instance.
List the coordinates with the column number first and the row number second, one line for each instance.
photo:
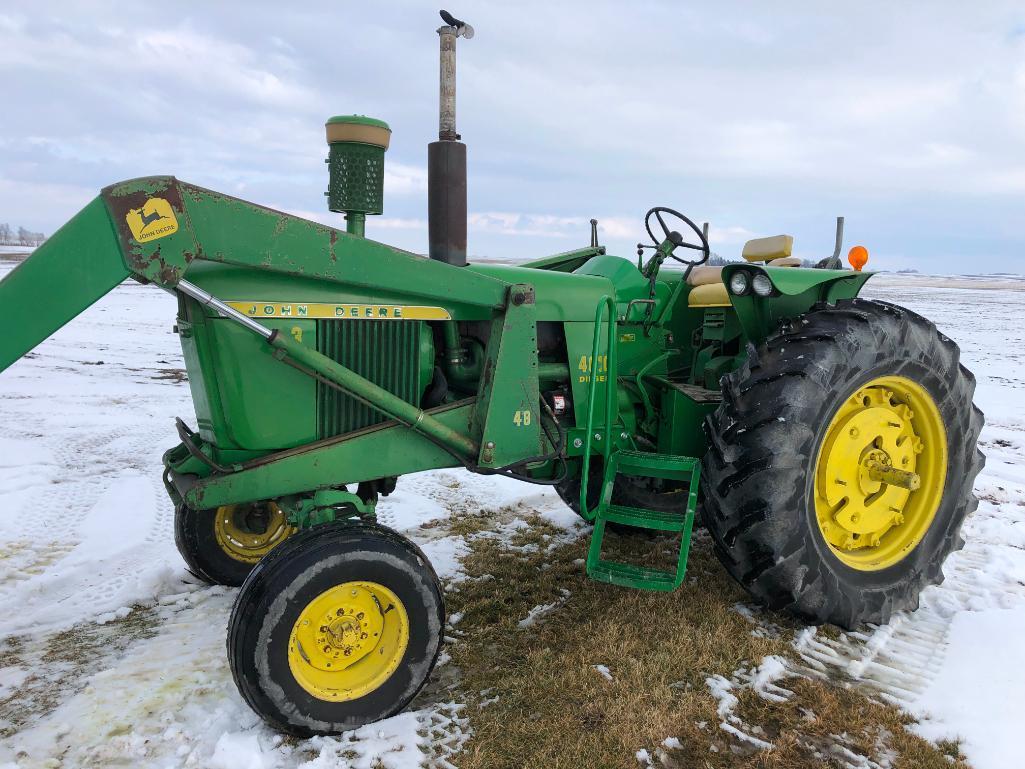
column 907, row 118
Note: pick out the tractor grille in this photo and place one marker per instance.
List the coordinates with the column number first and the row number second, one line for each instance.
column 387, row 352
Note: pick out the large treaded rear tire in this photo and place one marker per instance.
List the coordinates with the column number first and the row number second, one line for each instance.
column 758, row 474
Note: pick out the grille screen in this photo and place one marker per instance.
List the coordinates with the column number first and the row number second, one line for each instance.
column 387, row 352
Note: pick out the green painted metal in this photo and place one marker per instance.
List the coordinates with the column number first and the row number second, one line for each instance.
column 357, row 120
column 567, row 261
column 644, row 464
column 610, row 406
column 79, row 264
column 356, row 223
column 797, row 291
column 509, row 379
column 381, row 399
column 327, row 506
column 407, row 364
column 218, row 228
column 388, row 449
column 357, row 178
column 395, row 355
column 682, row 407
column 558, row 296
column 356, row 173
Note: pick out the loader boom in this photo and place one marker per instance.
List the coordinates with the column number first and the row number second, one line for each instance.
column 97, row 249
column 80, row 263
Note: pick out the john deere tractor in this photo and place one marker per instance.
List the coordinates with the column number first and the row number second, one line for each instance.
column 829, row 441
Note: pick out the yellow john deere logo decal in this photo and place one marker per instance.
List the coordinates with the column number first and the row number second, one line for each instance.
column 154, row 220
column 340, row 311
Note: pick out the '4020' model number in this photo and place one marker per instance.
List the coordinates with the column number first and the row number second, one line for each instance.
column 601, row 369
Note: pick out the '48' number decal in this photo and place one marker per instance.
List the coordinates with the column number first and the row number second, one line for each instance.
column 521, row 418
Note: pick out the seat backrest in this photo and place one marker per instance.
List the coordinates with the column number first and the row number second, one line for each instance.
column 767, row 249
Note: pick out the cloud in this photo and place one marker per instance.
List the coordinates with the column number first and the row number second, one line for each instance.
column 910, row 119
column 401, row 179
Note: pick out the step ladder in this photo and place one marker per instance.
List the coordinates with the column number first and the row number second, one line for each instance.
column 632, row 463
column 644, row 465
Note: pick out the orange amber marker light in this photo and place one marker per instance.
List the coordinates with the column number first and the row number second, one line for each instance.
column 858, row 257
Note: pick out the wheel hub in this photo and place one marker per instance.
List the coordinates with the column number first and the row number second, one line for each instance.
column 248, row 532
column 873, row 462
column 348, row 640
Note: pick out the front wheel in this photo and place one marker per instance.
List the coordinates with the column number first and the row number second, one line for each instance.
column 221, row 545
column 841, row 463
column 338, row 627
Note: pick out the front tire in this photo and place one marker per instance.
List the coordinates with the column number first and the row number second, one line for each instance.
column 790, row 482
column 338, row 627
column 222, row 545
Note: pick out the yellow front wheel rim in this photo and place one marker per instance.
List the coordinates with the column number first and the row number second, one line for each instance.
column 880, row 473
column 248, row 532
column 348, row 641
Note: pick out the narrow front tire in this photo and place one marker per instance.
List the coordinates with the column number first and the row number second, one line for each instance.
column 338, row 627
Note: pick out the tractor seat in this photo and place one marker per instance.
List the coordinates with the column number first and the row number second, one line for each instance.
column 708, row 290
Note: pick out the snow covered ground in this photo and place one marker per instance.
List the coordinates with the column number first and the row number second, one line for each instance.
column 112, row 655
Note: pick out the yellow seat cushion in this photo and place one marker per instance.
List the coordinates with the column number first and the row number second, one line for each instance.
column 703, row 275
column 786, row 261
column 767, row 249
column 709, row 295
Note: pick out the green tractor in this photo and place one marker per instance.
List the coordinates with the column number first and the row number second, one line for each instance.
column 828, row 441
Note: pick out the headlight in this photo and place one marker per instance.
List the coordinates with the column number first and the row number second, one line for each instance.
column 761, row 284
column 738, row 283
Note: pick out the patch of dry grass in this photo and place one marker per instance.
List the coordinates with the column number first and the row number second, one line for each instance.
column 554, row 709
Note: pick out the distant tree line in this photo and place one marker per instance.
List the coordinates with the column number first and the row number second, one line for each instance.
column 20, row 237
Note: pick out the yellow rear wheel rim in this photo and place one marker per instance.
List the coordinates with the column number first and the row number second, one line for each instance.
column 880, row 473
column 348, row 641
column 248, row 532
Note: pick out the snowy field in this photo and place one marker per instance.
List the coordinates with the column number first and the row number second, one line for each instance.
column 111, row 654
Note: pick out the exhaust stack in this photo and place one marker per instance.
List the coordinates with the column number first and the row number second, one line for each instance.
column 446, row 158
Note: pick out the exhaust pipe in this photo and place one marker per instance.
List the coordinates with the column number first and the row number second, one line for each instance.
column 446, row 158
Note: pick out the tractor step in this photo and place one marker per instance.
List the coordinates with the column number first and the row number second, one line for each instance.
column 645, row 465
column 628, row 575
column 642, row 518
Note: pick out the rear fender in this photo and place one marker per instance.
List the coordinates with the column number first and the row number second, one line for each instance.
column 795, row 291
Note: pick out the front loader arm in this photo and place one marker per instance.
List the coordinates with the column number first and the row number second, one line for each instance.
column 154, row 228
column 80, row 263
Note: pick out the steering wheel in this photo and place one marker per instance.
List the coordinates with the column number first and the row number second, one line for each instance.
column 675, row 237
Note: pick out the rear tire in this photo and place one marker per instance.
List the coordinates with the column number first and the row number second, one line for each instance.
column 286, row 678
column 765, row 446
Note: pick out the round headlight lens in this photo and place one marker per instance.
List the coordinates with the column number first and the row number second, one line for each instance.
column 738, row 283
column 762, row 285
